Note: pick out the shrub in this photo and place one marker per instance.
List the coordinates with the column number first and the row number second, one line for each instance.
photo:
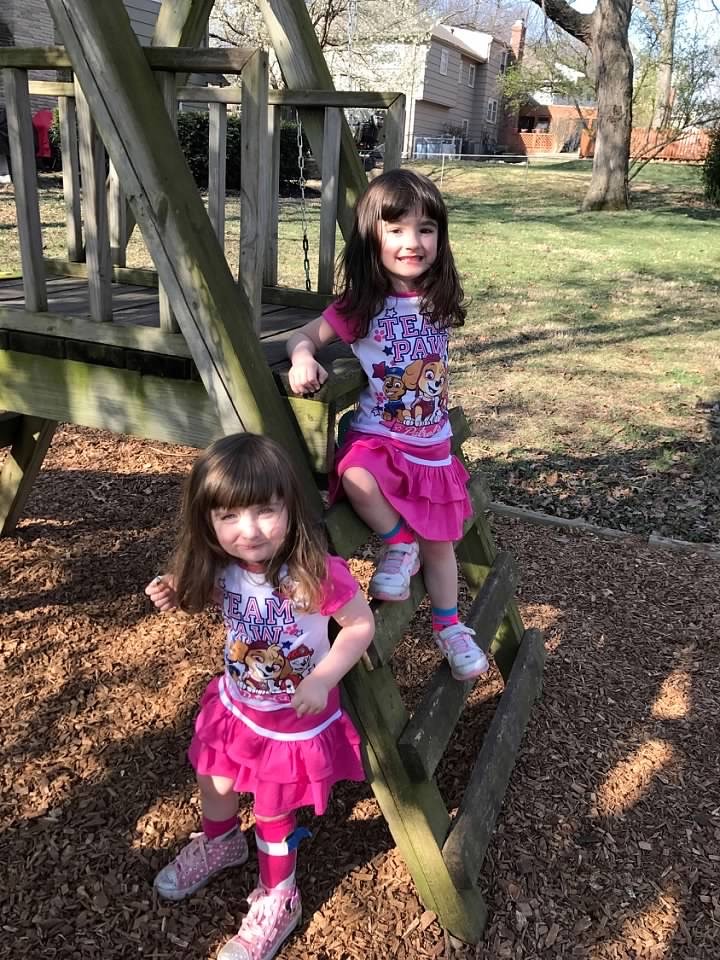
column 711, row 169
column 193, row 134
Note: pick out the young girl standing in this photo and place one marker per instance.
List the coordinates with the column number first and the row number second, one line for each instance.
column 400, row 294
column 271, row 724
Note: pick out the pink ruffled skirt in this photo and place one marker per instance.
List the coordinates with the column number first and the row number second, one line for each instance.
column 426, row 485
column 285, row 761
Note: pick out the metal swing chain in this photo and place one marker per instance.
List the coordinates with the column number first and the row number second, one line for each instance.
column 303, row 211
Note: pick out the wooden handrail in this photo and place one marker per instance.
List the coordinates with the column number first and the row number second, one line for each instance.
column 178, row 59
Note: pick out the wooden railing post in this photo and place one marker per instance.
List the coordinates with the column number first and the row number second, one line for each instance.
column 167, row 85
column 94, row 204
column 217, row 168
column 22, row 154
column 254, row 168
column 394, row 132
column 270, row 265
column 71, row 177
column 329, row 202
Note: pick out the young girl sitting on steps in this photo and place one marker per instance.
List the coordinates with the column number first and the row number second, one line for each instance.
column 271, row 724
column 400, row 294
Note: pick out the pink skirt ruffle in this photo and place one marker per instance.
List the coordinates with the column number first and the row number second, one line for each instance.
column 433, row 501
column 282, row 775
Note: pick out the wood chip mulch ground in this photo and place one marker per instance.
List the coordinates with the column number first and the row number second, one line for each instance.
column 608, row 844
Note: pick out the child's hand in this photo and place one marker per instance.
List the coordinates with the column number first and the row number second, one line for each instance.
column 311, row 696
column 306, row 375
column 161, row 591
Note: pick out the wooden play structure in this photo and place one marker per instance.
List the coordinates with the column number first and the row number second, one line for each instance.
column 186, row 352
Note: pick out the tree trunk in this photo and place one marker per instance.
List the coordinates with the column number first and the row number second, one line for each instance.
column 663, row 84
column 614, row 64
column 605, row 32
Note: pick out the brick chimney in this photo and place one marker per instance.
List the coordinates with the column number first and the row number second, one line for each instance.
column 517, row 40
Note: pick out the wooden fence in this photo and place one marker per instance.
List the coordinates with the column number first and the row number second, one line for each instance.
column 645, row 144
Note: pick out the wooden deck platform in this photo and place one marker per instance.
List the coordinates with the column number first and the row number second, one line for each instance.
column 133, row 305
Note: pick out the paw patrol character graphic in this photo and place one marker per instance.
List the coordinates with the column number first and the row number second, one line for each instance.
column 394, row 390
column 260, row 667
column 300, row 660
column 428, row 378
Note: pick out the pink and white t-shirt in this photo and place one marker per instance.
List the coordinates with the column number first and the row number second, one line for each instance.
column 405, row 359
column 270, row 645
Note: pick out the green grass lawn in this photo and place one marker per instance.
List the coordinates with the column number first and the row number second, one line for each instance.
column 590, row 360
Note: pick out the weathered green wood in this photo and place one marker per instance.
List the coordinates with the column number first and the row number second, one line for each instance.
column 9, row 423
column 94, row 210
column 254, row 194
column 414, row 812
column 181, row 23
column 122, row 401
column 22, row 154
column 52, row 88
column 394, row 131
column 391, row 621
column 217, row 163
column 117, row 219
column 291, row 297
column 127, row 336
column 55, row 267
column 185, row 60
column 167, row 86
column 424, row 740
column 468, row 840
column 71, row 175
column 132, row 400
column 304, row 68
column 270, row 261
column 20, row 467
column 214, row 315
column 369, row 100
column 329, row 199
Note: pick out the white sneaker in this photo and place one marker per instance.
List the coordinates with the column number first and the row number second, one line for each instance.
column 396, row 564
column 465, row 657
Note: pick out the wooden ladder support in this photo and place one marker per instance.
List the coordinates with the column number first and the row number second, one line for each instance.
column 402, row 752
column 31, row 438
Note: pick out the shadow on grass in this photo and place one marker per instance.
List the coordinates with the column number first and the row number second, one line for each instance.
column 670, row 487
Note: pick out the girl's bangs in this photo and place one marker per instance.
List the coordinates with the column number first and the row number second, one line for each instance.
column 249, row 486
column 397, row 201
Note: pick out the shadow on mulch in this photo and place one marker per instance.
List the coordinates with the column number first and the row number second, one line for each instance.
column 607, row 843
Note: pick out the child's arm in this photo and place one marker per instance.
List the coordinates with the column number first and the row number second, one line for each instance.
column 306, row 375
column 161, row 591
column 358, row 629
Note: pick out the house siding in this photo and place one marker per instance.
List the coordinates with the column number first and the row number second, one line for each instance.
column 28, row 23
column 488, row 88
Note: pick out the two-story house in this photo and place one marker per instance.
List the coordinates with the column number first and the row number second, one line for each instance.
column 450, row 77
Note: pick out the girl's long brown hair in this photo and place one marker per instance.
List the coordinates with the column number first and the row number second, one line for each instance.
column 244, row 470
column 363, row 283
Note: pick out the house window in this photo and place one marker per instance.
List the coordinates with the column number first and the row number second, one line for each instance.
column 465, row 129
column 492, row 107
column 443, row 62
column 471, row 75
column 504, row 61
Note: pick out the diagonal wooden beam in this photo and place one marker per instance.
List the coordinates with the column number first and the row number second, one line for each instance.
column 213, row 313
column 304, row 68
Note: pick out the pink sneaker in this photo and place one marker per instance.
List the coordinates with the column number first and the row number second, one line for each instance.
column 396, row 564
column 200, row 860
column 272, row 917
column 465, row 657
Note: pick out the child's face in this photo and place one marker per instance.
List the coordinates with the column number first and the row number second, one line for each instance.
column 408, row 248
column 253, row 534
